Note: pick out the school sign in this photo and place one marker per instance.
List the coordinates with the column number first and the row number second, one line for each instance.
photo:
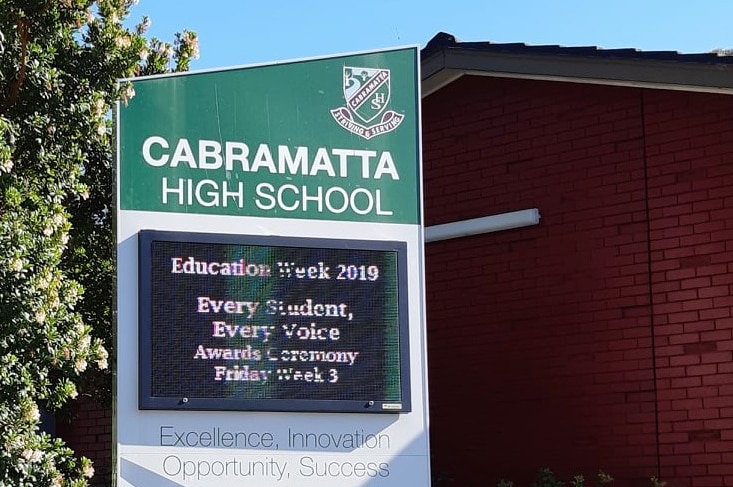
column 270, row 278
column 331, row 139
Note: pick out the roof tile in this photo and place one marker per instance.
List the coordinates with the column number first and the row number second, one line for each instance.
column 443, row 40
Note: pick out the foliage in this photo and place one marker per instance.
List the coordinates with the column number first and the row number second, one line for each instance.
column 59, row 65
column 602, row 478
column 546, row 478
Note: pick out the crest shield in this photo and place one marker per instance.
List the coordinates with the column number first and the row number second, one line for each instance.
column 367, row 95
column 366, row 91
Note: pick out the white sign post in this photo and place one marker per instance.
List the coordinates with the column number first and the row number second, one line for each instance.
column 270, row 277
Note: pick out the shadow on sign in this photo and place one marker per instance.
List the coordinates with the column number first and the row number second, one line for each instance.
column 136, row 475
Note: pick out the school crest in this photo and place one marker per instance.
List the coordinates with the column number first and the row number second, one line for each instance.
column 367, row 95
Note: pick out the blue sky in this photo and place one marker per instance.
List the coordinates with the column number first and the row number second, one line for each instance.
column 241, row 32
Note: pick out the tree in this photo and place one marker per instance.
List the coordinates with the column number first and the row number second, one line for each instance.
column 59, row 65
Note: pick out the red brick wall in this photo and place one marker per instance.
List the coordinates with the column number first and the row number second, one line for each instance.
column 542, row 341
column 89, row 433
column 690, row 157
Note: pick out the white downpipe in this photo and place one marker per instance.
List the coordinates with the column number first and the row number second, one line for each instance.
column 486, row 224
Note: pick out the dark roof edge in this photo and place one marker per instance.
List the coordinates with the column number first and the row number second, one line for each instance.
column 444, row 59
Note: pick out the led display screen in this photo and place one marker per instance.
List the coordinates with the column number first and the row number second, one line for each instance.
column 235, row 322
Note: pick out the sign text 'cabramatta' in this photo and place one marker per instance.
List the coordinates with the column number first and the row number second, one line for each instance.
column 302, row 162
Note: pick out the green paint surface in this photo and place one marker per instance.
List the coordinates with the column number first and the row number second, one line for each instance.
column 352, row 119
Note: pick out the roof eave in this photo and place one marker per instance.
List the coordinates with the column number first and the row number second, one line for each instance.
column 443, row 66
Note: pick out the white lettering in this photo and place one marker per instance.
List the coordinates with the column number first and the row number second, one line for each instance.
column 264, row 190
column 386, row 166
column 335, row 199
column 293, row 165
column 263, row 158
column 321, row 162
column 236, row 151
column 184, row 154
column 210, row 154
column 163, row 159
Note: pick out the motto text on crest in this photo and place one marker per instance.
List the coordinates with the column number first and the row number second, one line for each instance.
column 367, row 94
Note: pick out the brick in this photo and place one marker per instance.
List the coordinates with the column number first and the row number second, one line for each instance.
column 725, row 368
column 722, row 279
column 689, row 294
column 704, row 414
column 696, row 239
column 546, row 295
column 710, row 314
column 688, row 316
column 695, row 283
column 663, row 351
column 700, row 347
column 724, row 323
column 671, row 372
column 722, row 301
column 716, row 335
column 716, row 357
column 691, row 470
column 725, row 345
column 707, row 481
column 699, row 326
column 707, row 291
column 684, row 339
column 709, row 270
column 720, row 378
column 701, row 369
column 718, row 469
column 697, row 304
column 719, row 402
column 705, row 391
column 687, row 448
column 682, row 360
column 679, row 274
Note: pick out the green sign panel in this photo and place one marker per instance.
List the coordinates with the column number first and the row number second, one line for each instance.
column 325, row 139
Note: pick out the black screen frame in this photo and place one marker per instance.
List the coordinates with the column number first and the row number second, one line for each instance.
column 146, row 399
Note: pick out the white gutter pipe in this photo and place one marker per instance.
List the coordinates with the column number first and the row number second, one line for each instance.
column 486, row 224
